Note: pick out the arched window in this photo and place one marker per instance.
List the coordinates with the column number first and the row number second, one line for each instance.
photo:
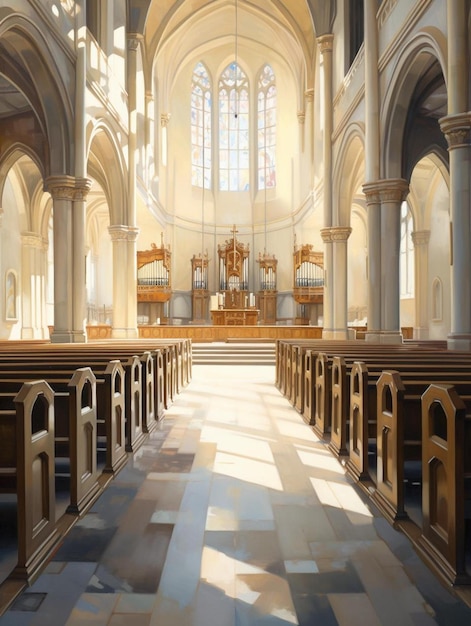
column 234, row 162
column 229, row 147
column 407, row 253
column 201, row 141
column 266, row 129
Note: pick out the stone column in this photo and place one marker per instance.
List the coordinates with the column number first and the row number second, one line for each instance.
column 457, row 129
column 372, row 171
column 339, row 236
column 373, row 203
column 393, row 193
column 328, row 305
column 131, row 309
column 325, row 43
column 309, row 97
column 68, row 198
column 124, row 282
column 33, row 287
column 420, row 239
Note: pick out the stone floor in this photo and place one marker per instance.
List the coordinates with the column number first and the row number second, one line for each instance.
column 234, row 514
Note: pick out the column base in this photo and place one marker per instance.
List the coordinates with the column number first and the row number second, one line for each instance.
column 384, row 336
column 459, row 342
column 341, row 334
column 65, row 336
column 124, row 333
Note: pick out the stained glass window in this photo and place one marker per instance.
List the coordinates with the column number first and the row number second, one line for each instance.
column 234, row 161
column 201, row 140
column 266, row 128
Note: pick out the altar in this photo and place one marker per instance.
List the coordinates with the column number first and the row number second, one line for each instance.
column 235, row 317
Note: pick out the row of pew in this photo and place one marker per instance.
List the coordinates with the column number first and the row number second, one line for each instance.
column 398, row 418
column 72, row 414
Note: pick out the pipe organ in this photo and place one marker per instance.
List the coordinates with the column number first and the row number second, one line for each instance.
column 308, row 279
column 267, row 294
column 199, row 288
column 154, row 274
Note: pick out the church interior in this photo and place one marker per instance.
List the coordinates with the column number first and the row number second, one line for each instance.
column 288, row 176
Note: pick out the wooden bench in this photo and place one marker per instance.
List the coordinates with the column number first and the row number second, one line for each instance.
column 446, row 473
column 27, row 469
column 110, row 392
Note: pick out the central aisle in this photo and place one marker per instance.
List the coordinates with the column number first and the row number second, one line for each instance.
column 234, row 513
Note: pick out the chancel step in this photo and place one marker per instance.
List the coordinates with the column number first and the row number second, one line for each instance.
column 233, row 353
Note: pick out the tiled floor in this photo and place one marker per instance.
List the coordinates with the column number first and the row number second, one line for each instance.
column 234, row 513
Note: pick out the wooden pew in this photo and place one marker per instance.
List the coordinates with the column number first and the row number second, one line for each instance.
column 446, row 473
column 110, row 392
column 27, row 469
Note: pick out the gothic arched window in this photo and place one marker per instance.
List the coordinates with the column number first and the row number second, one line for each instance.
column 266, row 128
column 201, row 140
column 234, row 161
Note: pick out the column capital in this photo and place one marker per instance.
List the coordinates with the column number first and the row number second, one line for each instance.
column 123, row 233
column 335, row 234
column 68, row 187
column 386, row 190
column 325, row 43
column 457, row 129
column 33, row 240
column 165, row 119
column 309, row 95
column 133, row 40
column 301, row 117
column 420, row 237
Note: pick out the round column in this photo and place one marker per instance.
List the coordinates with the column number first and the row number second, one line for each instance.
column 457, row 129
column 68, row 200
column 420, row 239
column 339, row 236
column 393, row 192
column 325, row 43
column 373, row 203
column 328, row 305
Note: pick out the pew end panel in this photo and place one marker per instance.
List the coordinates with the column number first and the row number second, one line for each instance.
column 339, row 408
column 357, row 463
column 446, row 495
column 323, row 384
column 389, row 493
column 35, row 487
column 84, row 484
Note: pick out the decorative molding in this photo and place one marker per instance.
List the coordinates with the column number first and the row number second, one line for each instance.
column 420, row 237
column 325, row 43
column 68, row 187
column 301, row 117
column 386, row 191
column 336, row 234
column 123, row 233
column 457, row 130
column 134, row 40
column 33, row 240
column 165, row 119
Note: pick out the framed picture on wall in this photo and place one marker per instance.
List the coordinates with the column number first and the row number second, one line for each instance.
column 11, row 314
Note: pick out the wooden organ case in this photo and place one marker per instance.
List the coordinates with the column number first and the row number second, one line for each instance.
column 267, row 293
column 234, row 273
column 308, row 282
column 199, row 288
column 154, row 286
